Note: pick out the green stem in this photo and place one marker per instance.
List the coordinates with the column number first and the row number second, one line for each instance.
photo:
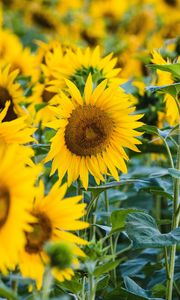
column 110, row 238
column 169, row 153
column 47, row 283
column 91, row 287
column 175, row 222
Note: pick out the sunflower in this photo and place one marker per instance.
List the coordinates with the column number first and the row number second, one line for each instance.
column 93, row 131
column 55, row 216
column 43, row 17
column 15, row 201
column 15, row 131
column 41, row 102
column 26, row 63
column 10, row 45
column 10, row 91
column 54, row 58
column 79, row 63
column 165, row 78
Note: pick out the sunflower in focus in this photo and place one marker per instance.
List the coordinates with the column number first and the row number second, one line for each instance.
column 10, row 91
column 55, row 216
column 54, row 58
column 93, row 131
column 165, row 78
column 15, row 201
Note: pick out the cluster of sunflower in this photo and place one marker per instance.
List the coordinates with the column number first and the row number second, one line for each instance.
column 68, row 102
column 69, row 99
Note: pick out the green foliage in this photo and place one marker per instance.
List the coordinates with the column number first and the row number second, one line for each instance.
column 143, row 231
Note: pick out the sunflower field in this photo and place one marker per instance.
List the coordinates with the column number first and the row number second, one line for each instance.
column 89, row 149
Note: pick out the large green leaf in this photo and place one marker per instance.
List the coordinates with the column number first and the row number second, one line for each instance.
column 174, row 172
column 118, row 218
column 144, row 233
column 172, row 89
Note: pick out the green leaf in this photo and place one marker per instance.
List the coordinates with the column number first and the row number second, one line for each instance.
column 118, row 218
column 105, row 268
column 132, row 287
column 102, row 282
column 174, row 69
column 135, row 289
column 174, row 172
column 7, row 293
column 144, row 233
column 150, row 129
column 74, row 286
column 172, row 89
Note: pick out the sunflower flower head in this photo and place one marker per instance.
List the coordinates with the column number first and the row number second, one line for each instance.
column 55, row 217
column 15, row 201
column 92, row 132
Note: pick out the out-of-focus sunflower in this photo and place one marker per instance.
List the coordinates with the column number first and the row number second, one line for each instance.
column 15, row 131
column 172, row 114
column 10, row 46
column 26, row 63
column 93, row 132
column 55, row 217
column 10, row 91
column 112, row 9
column 64, row 6
column 80, row 63
column 44, row 18
column 40, row 103
column 16, row 196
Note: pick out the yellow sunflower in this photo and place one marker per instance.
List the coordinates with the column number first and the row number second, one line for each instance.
column 26, row 63
column 93, row 132
column 76, row 66
column 54, row 59
column 15, row 131
column 42, row 17
column 41, row 101
column 10, row 91
column 16, row 196
column 55, row 216
column 10, row 45
column 165, row 78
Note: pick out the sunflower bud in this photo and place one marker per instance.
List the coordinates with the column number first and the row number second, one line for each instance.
column 60, row 255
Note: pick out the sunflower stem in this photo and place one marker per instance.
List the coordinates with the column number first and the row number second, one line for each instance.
column 175, row 223
column 92, row 288
column 112, row 248
column 47, row 283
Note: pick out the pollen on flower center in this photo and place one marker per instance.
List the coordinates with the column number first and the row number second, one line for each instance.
column 88, row 131
column 5, row 96
column 42, row 231
column 4, row 205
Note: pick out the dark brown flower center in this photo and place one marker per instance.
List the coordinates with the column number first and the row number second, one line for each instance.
column 4, row 205
column 5, row 96
column 172, row 3
column 47, row 96
column 42, row 21
column 42, row 231
column 88, row 131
